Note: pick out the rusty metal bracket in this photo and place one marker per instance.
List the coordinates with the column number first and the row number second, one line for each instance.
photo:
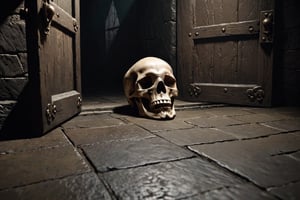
column 194, row 90
column 256, row 94
column 79, row 102
column 266, row 26
column 48, row 12
column 50, row 112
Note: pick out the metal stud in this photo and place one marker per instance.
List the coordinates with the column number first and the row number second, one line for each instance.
column 251, row 29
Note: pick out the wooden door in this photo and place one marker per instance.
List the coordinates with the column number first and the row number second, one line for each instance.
column 225, row 51
column 53, row 36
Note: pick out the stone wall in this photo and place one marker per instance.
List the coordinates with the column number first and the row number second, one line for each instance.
column 13, row 60
column 157, row 29
column 287, row 64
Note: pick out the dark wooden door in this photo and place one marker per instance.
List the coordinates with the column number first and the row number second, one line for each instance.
column 53, row 35
column 225, row 51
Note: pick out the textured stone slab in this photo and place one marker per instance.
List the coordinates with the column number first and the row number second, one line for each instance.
column 195, row 136
column 31, row 167
column 249, row 130
column 52, row 139
column 192, row 113
column 286, row 111
column 10, row 66
column 160, row 125
column 286, row 125
column 93, row 121
column 290, row 191
column 6, row 107
column 23, row 60
column 244, row 191
column 11, row 88
column 96, row 135
column 213, row 122
column 260, row 117
column 130, row 153
column 13, row 38
column 171, row 180
column 265, row 161
column 85, row 186
column 296, row 155
column 289, row 111
column 228, row 111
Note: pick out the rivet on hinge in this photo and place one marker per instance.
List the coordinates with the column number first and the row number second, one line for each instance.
column 194, row 90
column 256, row 94
column 75, row 25
column 50, row 112
column 79, row 102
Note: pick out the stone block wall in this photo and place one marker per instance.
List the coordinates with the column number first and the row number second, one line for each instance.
column 157, row 29
column 13, row 60
column 287, row 56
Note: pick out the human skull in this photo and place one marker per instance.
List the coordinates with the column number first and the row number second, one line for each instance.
column 151, row 86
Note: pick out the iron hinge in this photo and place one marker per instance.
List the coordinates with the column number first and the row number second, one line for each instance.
column 266, row 27
column 256, row 94
column 50, row 112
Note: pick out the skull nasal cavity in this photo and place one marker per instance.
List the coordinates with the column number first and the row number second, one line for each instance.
column 161, row 87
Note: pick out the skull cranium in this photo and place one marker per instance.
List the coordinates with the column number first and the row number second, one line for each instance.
column 151, row 86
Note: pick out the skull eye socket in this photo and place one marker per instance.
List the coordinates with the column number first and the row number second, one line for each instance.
column 169, row 81
column 145, row 82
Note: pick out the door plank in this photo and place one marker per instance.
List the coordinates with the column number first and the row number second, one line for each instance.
column 218, row 43
column 248, row 10
column 247, row 67
column 185, row 47
column 215, row 12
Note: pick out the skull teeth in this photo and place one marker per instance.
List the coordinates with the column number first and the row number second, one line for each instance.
column 161, row 102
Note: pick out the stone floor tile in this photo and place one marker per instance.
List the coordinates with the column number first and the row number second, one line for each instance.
column 295, row 155
column 131, row 153
column 160, row 125
column 262, row 161
column 286, row 125
column 213, row 122
column 24, row 168
column 260, row 117
column 228, row 111
column 289, row 112
column 85, row 186
column 171, row 180
column 249, row 130
column 289, row 191
column 95, row 135
column 243, row 191
column 293, row 112
column 195, row 136
column 92, row 121
column 52, row 139
column 192, row 113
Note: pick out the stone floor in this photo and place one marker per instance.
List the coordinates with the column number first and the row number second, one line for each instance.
column 206, row 152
